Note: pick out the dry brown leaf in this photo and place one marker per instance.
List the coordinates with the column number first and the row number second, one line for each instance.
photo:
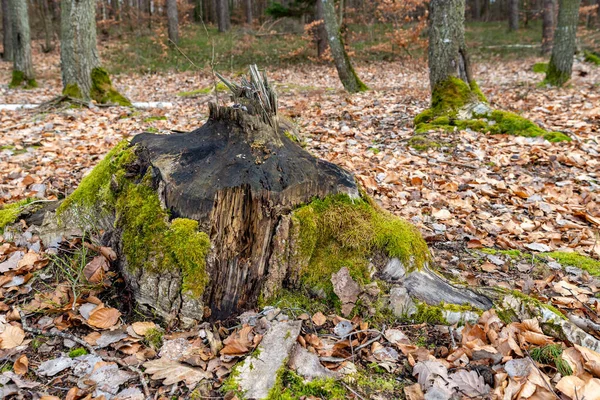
column 21, row 365
column 11, row 337
column 104, row 318
column 319, row 319
column 95, row 269
column 141, row 328
column 173, row 372
column 414, row 392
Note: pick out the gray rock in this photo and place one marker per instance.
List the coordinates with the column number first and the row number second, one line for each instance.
column 400, row 302
column 308, row 366
column 257, row 375
column 394, row 270
column 109, row 337
column 55, row 366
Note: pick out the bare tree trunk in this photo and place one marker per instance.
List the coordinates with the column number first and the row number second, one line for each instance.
column 249, row 16
column 476, row 10
column 173, row 21
column 48, row 28
column 350, row 80
column 7, row 40
column 321, row 32
column 547, row 26
column 82, row 74
column 223, row 18
column 565, row 35
column 23, row 65
column 513, row 15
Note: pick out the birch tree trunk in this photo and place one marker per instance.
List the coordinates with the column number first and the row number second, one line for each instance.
column 82, row 74
column 173, row 21
column 513, row 15
column 223, row 18
column 7, row 50
column 547, row 26
column 23, row 65
column 350, row 80
column 563, row 50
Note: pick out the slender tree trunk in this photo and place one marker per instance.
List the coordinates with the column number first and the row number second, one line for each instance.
column 48, row 28
column 547, row 26
column 321, row 31
column 249, row 16
column 476, row 10
column 23, row 65
column 223, row 18
column 7, row 43
column 513, row 15
column 173, row 21
column 350, row 80
column 563, row 50
column 82, row 74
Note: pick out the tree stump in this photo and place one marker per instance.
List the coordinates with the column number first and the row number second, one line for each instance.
column 215, row 221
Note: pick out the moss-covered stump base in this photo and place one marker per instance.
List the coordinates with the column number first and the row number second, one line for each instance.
column 458, row 105
column 19, row 80
column 102, row 91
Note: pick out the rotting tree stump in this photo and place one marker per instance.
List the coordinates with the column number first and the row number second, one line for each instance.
column 212, row 222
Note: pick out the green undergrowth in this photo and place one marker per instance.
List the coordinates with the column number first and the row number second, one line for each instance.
column 20, row 80
column 154, row 338
column 291, row 386
column 591, row 57
column 340, row 231
column 576, row 260
column 10, row 212
column 155, row 118
column 540, row 68
column 151, row 240
column 422, row 142
column 551, row 354
column 207, row 90
column 80, row 351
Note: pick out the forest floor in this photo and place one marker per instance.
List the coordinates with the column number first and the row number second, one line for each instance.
column 466, row 191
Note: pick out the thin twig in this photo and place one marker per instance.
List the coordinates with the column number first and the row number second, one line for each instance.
column 350, row 389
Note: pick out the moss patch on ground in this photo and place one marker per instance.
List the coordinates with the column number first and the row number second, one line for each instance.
column 10, row 212
column 340, row 231
column 192, row 93
column 422, row 142
column 291, row 386
column 576, row 260
column 150, row 239
column 591, row 57
column 20, row 80
column 540, row 68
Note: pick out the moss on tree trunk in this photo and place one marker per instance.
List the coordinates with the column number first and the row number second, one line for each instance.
column 563, row 51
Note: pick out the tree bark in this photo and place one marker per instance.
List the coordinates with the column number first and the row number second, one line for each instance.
column 513, row 15
column 447, row 49
column 547, row 26
column 321, row 31
column 249, row 18
column 563, row 50
column 82, row 74
column 348, row 76
column 48, row 28
column 7, row 39
column 223, row 17
column 173, row 21
column 476, row 10
column 23, row 64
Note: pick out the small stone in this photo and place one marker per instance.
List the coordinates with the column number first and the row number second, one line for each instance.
column 307, row 364
column 343, row 328
column 68, row 343
column 401, row 303
column 518, row 368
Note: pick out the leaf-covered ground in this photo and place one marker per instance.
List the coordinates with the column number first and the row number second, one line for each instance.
column 468, row 192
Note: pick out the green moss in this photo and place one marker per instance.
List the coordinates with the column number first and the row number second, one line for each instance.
column 451, row 95
column 376, row 383
column 507, row 316
column 156, row 118
column 154, row 338
column 80, row 351
column 338, row 232
column 556, row 77
column 540, row 67
column 154, row 244
column 291, row 386
column 591, row 57
column 555, row 137
column 576, row 260
column 551, row 354
column 528, row 300
column 429, row 314
column 72, row 90
column 94, row 190
column 424, row 116
column 102, row 90
column 230, row 384
column 7, row 367
column 10, row 212
column 513, row 124
column 220, row 88
column 421, row 142
column 477, row 91
column 20, row 80
column 150, row 240
column 512, row 253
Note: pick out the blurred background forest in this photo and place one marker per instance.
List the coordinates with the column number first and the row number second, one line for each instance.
column 140, row 35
